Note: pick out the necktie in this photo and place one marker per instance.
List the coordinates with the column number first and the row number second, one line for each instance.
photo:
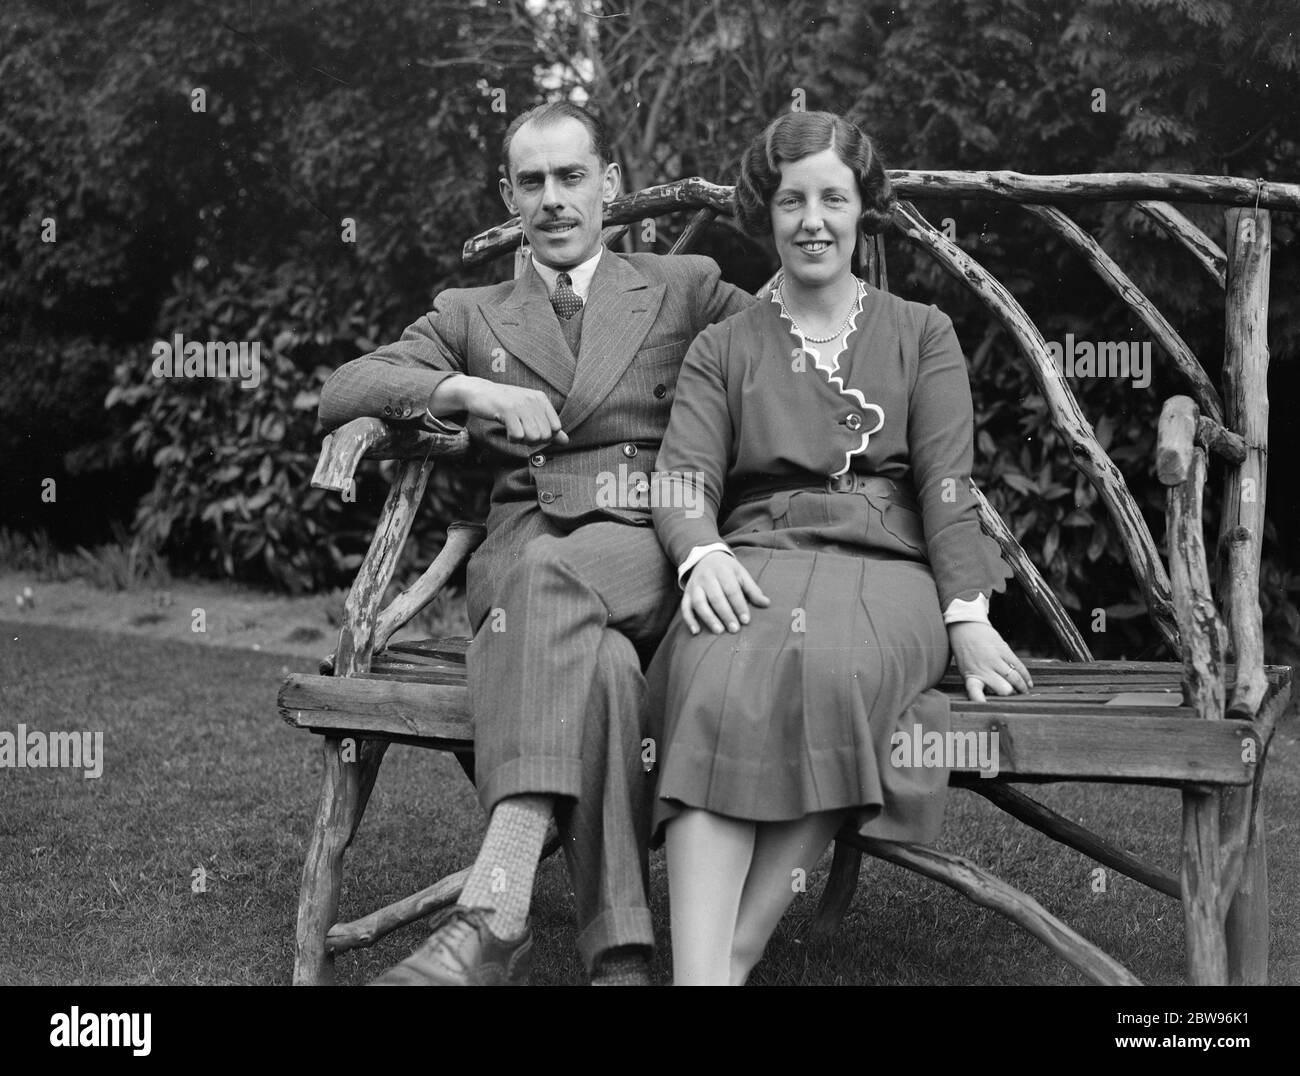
column 565, row 300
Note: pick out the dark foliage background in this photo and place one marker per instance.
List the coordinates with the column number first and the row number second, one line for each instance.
column 227, row 224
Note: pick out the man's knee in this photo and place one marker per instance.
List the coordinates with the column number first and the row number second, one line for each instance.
column 519, row 588
column 542, row 560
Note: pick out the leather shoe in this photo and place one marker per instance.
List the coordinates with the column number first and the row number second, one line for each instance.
column 462, row 951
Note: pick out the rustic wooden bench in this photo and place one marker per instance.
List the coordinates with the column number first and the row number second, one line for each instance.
column 1201, row 724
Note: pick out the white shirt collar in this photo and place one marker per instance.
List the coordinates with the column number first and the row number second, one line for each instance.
column 580, row 275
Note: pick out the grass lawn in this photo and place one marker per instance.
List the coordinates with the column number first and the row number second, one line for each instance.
column 96, row 875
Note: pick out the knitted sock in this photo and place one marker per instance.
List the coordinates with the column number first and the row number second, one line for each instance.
column 628, row 965
column 501, row 880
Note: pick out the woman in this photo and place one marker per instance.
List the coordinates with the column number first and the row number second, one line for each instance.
column 819, row 453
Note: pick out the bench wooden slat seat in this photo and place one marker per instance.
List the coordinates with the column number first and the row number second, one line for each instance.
column 1066, row 727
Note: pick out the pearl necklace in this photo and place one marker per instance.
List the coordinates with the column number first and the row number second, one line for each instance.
column 854, row 307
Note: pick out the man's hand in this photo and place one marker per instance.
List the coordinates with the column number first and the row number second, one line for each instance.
column 526, row 414
column 985, row 660
column 716, row 592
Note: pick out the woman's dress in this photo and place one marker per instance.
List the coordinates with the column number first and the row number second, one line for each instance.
column 799, row 712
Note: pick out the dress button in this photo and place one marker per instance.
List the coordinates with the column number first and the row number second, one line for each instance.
column 661, row 391
column 629, row 451
column 854, row 422
column 537, row 460
column 546, row 496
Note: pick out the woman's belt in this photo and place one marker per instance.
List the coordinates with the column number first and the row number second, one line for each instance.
column 850, row 482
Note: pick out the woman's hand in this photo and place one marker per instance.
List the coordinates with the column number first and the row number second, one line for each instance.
column 716, row 592
column 986, row 661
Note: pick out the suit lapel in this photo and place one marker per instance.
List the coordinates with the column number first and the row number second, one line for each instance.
column 621, row 307
column 530, row 332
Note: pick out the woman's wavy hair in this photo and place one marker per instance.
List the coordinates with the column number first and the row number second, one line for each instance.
column 800, row 134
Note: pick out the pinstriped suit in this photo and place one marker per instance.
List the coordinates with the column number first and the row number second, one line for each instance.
column 570, row 585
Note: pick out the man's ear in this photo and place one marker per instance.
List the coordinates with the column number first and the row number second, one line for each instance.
column 613, row 181
column 508, row 195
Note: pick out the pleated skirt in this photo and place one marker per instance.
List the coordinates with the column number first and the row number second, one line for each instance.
column 798, row 712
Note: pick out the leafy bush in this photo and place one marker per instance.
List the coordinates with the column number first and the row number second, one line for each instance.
column 232, row 494
column 227, row 222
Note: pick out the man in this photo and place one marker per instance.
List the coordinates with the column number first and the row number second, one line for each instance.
column 566, row 377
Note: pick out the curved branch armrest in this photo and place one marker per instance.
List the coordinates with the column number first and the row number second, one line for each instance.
column 462, row 540
column 1035, row 587
column 373, row 438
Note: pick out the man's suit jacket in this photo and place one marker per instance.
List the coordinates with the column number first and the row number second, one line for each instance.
column 613, row 399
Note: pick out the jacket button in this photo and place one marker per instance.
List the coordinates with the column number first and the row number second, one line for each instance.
column 661, row 391
column 629, row 451
column 854, row 422
column 537, row 460
column 388, row 409
column 546, row 496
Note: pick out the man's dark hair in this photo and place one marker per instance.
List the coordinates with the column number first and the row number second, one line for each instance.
column 552, row 113
column 801, row 134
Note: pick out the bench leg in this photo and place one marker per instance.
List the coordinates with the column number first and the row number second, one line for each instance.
column 344, row 792
column 1207, row 953
column 840, row 888
column 1247, row 925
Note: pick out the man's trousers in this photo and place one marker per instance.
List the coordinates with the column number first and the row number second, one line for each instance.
column 558, row 697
